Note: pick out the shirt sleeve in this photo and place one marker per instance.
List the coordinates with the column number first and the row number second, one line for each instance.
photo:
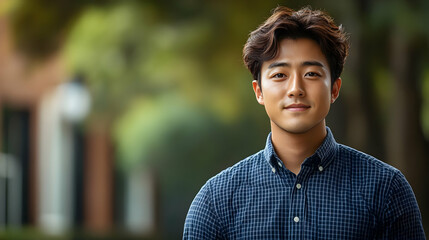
column 201, row 221
column 402, row 218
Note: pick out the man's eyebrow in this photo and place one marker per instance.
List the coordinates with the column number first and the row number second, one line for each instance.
column 312, row 63
column 279, row 64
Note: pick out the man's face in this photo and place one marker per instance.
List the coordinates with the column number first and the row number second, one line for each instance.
column 296, row 86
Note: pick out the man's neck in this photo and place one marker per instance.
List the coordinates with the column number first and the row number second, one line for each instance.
column 293, row 148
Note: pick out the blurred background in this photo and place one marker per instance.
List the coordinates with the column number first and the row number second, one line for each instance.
column 114, row 113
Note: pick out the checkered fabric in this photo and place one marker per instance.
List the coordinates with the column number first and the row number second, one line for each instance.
column 340, row 193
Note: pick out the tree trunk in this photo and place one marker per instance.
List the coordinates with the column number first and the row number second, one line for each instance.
column 405, row 139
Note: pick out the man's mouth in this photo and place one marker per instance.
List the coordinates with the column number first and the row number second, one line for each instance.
column 297, row 107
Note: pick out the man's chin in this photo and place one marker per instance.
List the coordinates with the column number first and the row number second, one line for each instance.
column 294, row 129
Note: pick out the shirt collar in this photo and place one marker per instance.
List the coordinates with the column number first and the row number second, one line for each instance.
column 322, row 157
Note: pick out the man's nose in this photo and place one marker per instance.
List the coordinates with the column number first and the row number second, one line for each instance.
column 295, row 88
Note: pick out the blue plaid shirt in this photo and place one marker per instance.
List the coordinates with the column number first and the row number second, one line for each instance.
column 340, row 193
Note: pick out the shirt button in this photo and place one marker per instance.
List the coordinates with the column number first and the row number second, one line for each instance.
column 274, row 170
column 320, row 168
column 280, row 164
column 298, row 186
column 296, row 219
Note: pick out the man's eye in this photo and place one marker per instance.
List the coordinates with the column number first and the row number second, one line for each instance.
column 312, row 74
column 279, row 75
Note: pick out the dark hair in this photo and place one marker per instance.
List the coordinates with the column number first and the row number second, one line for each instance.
column 263, row 43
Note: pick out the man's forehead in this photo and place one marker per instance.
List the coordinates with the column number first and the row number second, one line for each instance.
column 300, row 51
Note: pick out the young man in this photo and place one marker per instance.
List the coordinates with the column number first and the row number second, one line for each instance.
column 303, row 185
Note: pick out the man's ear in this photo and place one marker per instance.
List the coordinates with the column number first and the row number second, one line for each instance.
column 258, row 92
column 335, row 90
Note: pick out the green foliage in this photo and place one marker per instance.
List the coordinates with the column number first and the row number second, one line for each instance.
column 150, row 77
column 40, row 25
column 145, row 130
column 105, row 46
column 125, row 51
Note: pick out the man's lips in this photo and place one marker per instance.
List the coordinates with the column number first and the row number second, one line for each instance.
column 297, row 107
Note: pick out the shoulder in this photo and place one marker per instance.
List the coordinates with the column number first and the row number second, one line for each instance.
column 206, row 215
column 386, row 192
column 232, row 177
column 375, row 179
column 365, row 165
column 371, row 174
column 227, row 181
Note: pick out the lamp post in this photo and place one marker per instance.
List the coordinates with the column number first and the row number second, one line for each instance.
column 60, row 111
